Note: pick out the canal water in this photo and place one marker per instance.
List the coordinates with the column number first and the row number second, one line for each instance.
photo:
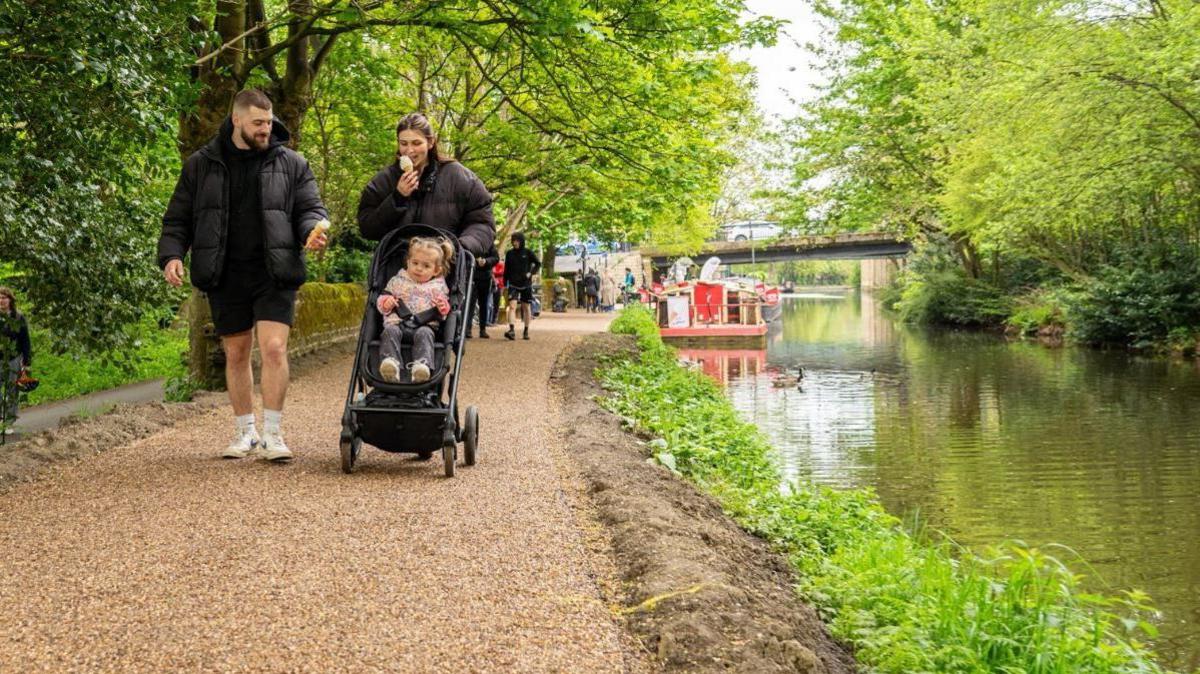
column 989, row 440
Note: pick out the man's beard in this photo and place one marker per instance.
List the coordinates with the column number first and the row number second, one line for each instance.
column 253, row 142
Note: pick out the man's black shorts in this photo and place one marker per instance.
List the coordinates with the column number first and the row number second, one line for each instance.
column 520, row 294
column 247, row 294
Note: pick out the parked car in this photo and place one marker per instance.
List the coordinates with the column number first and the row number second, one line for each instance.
column 753, row 230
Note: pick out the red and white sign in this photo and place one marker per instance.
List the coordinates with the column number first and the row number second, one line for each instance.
column 772, row 296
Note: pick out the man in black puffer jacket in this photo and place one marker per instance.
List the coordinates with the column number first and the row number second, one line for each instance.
column 245, row 205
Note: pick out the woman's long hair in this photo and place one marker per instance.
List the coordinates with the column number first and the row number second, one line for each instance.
column 12, row 301
column 415, row 121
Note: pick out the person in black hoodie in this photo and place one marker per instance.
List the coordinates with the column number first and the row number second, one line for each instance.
column 16, row 354
column 482, row 290
column 520, row 265
column 436, row 191
column 246, row 206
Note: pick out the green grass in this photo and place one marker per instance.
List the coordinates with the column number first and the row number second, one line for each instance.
column 906, row 603
column 158, row 353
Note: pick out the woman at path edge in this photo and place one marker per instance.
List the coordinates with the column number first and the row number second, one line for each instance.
column 16, row 354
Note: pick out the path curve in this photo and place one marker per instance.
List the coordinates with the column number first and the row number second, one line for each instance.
column 158, row 556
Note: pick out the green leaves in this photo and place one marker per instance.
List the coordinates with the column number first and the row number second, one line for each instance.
column 905, row 603
column 84, row 116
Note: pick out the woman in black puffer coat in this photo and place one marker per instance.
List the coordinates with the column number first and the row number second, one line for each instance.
column 437, row 191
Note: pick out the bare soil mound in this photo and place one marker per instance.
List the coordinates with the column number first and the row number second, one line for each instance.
column 700, row 592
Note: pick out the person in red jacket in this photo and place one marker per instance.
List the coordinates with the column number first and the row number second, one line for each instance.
column 497, row 291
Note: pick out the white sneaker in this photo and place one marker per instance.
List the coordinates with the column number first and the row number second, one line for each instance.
column 241, row 446
column 420, row 372
column 272, row 448
column 389, row 369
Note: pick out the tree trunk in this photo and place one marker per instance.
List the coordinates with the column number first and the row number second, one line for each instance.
column 513, row 220
column 217, row 86
column 967, row 255
column 548, row 257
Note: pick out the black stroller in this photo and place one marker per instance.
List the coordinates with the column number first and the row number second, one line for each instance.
column 411, row 417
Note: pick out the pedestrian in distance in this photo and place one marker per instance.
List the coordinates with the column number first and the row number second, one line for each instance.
column 520, row 265
column 424, row 186
column 591, row 289
column 16, row 356
column 497, row 291
column 247, row 207
column 481, row 291
column 608, row 293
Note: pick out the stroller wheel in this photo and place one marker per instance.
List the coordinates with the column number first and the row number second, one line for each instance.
column 424, row 456
column 448, row 457
column 470, row 435
column 350, row 448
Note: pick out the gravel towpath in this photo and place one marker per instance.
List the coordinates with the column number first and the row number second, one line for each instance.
column 158, row 556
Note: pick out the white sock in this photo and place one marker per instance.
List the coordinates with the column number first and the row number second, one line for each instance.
column 271, row 420
column 245, row 423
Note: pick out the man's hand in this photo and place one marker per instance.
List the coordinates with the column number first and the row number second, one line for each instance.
column 442, row 304
column 318, row 242
column 173, row 272
column 386, row 304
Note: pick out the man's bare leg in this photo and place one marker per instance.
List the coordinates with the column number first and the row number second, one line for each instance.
column 239, row 380
column 239, row 377
column 272, row 346
column 511, row 310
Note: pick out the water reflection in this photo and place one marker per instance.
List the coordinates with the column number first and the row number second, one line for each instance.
column 989, row 440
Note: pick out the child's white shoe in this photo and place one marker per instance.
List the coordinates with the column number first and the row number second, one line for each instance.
column 241, row 446
column 389, row 369
column 420, row 372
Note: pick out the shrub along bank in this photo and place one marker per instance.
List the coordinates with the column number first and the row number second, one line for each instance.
column 1148, row 298
column 905, row 603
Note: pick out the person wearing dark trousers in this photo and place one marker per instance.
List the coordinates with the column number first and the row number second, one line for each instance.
column 16, row 354
column 591, row 288
column 246, row 207
column 520, row 264
column 482, row 291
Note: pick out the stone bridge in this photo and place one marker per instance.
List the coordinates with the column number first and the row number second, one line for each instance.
column 856, row 246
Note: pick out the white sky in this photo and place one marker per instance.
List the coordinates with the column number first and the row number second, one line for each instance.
column 786, row 73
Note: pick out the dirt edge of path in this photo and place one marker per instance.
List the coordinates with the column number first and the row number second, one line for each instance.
column 696, row 591
column 78, row 437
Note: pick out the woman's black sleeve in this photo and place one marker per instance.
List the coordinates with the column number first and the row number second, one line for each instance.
column 477, row 231
column 380, row 208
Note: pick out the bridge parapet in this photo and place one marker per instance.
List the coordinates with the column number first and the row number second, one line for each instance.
column 857, row 245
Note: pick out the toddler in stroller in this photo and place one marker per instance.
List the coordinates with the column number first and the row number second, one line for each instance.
column 412, row 304
column 419, row 287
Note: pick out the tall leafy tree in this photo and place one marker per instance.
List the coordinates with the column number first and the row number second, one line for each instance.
column 86, row 145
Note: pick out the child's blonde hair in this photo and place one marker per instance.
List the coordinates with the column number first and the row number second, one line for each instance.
column 441, row 245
